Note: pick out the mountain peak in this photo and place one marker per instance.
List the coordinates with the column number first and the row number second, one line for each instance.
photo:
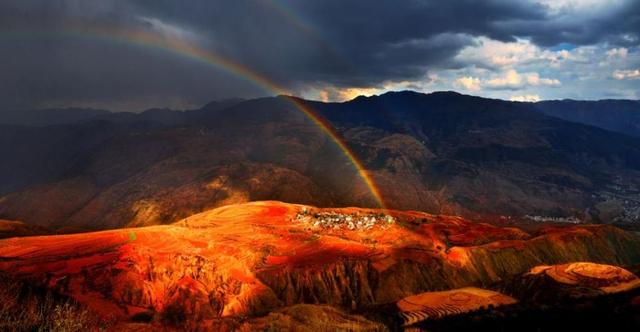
column 411, row 94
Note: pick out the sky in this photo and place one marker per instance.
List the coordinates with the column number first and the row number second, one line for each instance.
column 131, row 55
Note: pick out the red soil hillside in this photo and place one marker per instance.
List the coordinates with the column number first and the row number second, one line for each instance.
column 435, row 305
column 251, row 258
column 606, row 278
column 574, row 280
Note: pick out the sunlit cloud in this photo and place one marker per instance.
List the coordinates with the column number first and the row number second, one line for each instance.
column 583, row 8
column 332, row 93
column 468, row 83
column 626, row 74
column 337, row 94
column 509, row 80
column 501, row 55
column 525, row 98
column 617, row 53
column 351, row 93
column 170, row 30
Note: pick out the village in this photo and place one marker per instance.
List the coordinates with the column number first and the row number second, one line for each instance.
column 567, row 220
column 337, row 220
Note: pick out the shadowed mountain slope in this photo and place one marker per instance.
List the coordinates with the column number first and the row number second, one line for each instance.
column 441, row 152
column 621, row 116
column 47, row 117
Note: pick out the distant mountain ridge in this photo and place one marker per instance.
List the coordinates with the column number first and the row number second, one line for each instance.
column 441, row 152
column 71, row 115
column 48, row 117
column 621, row 116
column 618, row 115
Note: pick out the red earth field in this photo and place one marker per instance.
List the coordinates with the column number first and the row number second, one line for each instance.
column 239, row 262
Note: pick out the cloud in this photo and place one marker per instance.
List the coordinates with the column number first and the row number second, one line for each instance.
column 338, row 94
column 497, row 55
column 525, row 98
column 620, row 52
column 512, row 79
column 534, row 79
column 333, row 94
column 344, row 43
column 468, row 83
column 626, row 74
column 580, row 6
column 336, row 46
column 579, row 23
column 509, row 80
column 171, row 30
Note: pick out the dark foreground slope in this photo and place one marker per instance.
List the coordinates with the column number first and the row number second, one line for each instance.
column 441, row 152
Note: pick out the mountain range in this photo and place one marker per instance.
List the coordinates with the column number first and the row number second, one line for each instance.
column 442, row 152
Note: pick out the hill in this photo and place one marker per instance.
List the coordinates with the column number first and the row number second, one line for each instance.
column 11, row 228
column 226, row 266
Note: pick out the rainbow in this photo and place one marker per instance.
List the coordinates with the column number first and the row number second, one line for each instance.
column 294, row 18
column 198, row 54
column 305, row 27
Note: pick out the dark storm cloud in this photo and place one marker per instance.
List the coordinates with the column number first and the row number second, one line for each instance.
column 342, row 41
column 616, row 24
column 42, row 65
column 59, row 70
column 336, row 42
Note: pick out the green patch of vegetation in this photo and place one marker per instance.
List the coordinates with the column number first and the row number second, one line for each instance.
column 447, row 243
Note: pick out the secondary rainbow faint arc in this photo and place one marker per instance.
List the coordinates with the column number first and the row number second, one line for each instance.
column 191, row 51
column 307, row 28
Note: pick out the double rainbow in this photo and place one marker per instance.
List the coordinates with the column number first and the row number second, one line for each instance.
column 195, row 53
